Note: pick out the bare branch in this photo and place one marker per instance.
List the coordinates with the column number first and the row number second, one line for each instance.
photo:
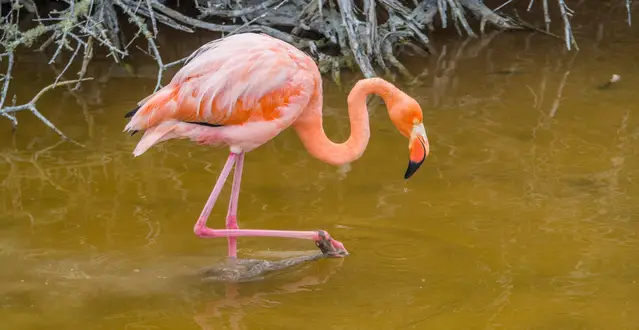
column 31, row 106
column 5, row 89
column 349, row 20
column 568, row 36
column 209, row 12
column 629, row 12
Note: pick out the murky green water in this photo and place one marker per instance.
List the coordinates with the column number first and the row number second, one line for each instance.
column 524, row 217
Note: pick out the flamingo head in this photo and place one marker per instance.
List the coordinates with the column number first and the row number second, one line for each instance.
column 407, row 116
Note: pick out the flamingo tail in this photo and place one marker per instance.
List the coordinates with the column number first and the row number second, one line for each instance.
column 156, row 134
column 152, row 111
column 131, row 113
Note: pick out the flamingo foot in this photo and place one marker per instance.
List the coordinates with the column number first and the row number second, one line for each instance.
column 329, row 246
column 322, row 239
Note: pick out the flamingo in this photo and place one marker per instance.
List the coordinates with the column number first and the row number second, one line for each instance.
column 243, row 90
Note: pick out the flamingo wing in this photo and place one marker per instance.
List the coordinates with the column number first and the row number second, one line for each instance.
column 229, row 81
column 240, row 82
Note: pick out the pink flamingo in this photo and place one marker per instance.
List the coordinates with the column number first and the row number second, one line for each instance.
column 243, row 90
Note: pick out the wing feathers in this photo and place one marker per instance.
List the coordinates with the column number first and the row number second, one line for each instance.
column 231, row 81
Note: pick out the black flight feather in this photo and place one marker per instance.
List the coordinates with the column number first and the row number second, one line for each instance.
column 134, row 111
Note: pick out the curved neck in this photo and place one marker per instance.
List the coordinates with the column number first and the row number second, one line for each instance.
column 310, row 129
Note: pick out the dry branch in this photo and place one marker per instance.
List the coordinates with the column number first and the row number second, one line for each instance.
column 5, row 88
column 31, row 106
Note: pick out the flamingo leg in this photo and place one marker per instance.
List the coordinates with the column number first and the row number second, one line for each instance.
column 231, row 216
column 322, row 239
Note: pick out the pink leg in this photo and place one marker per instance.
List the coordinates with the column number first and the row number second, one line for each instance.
column 231, row 216
column 200, row 229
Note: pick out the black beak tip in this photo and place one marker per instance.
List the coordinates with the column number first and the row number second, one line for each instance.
column 412, row 168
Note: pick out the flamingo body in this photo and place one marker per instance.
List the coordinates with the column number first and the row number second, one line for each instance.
column 250, row 86
column 242, row 91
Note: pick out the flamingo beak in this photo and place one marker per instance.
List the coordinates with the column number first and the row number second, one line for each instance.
column 418, row 148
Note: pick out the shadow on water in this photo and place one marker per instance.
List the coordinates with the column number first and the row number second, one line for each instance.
column 522, row 218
